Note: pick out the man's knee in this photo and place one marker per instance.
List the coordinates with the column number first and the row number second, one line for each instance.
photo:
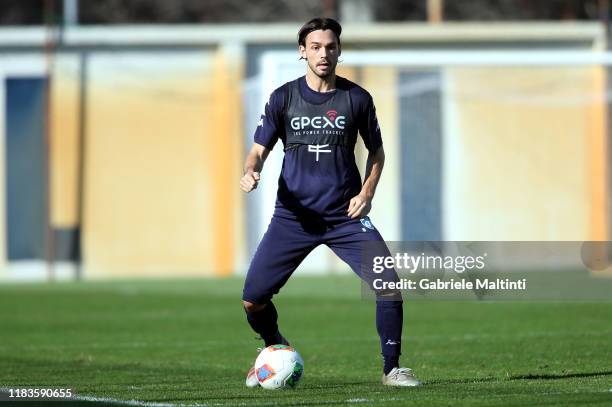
column 252, row 307
column 391, row 296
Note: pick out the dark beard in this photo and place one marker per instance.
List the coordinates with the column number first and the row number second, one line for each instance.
column 327, row 75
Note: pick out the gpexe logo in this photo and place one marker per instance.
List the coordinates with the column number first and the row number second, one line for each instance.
column 330, row 120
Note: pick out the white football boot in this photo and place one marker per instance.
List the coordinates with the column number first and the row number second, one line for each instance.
column 251, row 379
column 399, row 376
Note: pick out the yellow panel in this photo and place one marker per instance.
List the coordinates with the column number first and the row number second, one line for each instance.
column 348, row 72
column 149, row 178
column 64, row 142
column 226, row 161
column 597, row 155
column 516, row 152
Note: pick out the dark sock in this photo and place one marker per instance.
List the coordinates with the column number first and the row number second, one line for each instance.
column 390, row 363
column 389, row 320
column 264, row 323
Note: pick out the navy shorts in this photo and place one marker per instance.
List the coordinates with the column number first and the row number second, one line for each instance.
column 287, row 242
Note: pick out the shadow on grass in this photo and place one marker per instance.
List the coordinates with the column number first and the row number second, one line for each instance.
column 528, row 376
column 558, row 376
column 463, row 381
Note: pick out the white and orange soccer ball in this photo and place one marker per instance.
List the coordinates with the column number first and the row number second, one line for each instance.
column 279, row 366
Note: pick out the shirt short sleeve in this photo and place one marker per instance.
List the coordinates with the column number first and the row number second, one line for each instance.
column 369, row 128
column 270, row 126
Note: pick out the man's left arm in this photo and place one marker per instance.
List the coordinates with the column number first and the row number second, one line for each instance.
column 360, row 205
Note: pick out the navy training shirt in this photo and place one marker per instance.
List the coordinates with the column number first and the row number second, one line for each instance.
column 319, row 130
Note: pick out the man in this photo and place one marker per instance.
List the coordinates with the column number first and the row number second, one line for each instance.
column 321, row 199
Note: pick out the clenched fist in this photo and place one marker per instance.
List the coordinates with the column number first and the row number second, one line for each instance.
column 249, row 181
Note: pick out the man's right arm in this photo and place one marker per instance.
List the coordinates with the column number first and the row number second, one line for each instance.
column 252, row 167
column 266, row 135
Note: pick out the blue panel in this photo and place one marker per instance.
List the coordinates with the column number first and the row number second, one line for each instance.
column 25, row 168
column 421, row 130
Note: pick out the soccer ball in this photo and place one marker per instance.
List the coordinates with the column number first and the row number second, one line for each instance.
column 279, row 366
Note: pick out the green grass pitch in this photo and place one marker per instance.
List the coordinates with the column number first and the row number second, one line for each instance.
column 186, row 342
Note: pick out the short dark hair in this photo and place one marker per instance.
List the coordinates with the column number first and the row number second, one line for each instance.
column 319, row 23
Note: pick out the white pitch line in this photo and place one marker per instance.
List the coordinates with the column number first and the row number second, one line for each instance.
column 76, row 397
column 127, row 402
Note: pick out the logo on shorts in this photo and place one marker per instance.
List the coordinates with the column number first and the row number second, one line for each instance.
column 367, row 223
